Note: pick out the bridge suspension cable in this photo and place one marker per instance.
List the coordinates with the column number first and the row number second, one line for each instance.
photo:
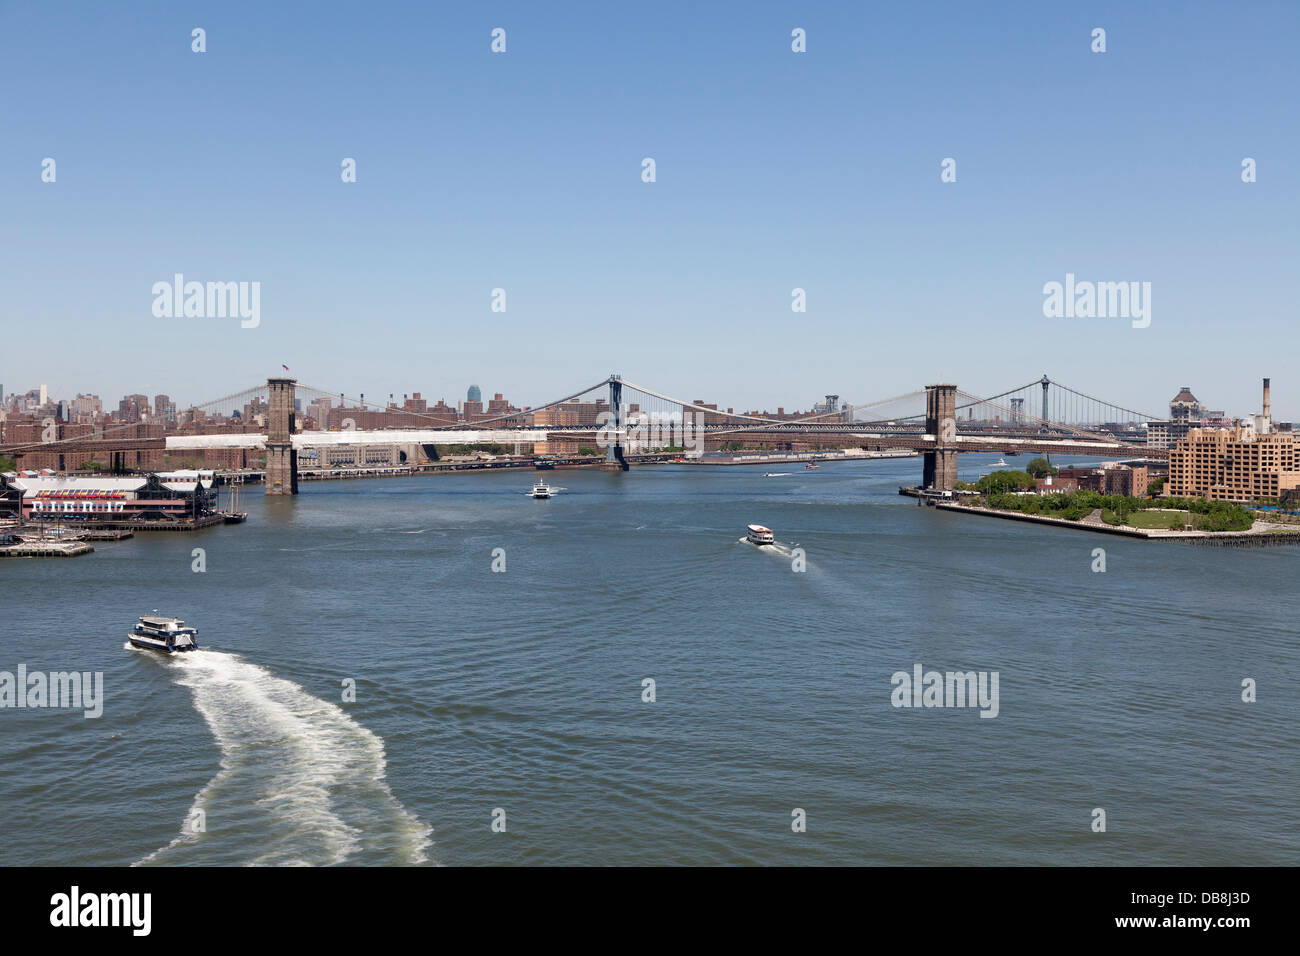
column 440, row 421
column 103, row 432
column 765, row 420
column 1021, row 416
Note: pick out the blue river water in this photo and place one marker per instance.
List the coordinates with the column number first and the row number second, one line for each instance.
column 518, row 695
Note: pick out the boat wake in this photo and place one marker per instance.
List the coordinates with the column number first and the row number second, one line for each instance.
column 300, row 780
column 776, row 548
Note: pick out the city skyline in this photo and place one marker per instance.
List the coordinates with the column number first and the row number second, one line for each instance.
column 380, row 400
column 776, row 171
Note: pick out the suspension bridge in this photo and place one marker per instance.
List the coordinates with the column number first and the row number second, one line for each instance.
column 624, row 419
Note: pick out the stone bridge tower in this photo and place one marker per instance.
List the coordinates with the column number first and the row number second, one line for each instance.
column 939, row 472
column 281, row 458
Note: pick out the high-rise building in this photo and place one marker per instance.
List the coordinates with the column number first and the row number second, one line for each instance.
column 319, row 411
column 474, row 394
column 133, row 408
column 87, row 408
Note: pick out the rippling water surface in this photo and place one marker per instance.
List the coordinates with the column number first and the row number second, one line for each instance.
column 522, row 690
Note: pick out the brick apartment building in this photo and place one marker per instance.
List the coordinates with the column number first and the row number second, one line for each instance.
column 1234, row 465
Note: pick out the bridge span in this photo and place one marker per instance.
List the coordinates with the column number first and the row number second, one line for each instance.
column 939, row 433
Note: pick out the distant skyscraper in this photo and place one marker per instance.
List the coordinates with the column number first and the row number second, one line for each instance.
column 474, row 395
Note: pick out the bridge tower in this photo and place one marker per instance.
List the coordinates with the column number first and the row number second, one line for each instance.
column 1045, row 383
column 281, row 458
column 614, row 460
column 939, row 471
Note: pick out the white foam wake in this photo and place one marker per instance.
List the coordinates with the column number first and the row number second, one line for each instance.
column 301, row 782
column 776, row 548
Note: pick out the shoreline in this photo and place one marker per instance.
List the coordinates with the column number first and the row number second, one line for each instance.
column 1222, row 538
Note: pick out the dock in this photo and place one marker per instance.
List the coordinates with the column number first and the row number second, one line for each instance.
column 45, row 549
column 105, row 534
column 87, row 527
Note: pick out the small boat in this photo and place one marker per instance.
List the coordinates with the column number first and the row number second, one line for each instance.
column 757, row 534
column 541, row 489
column 544, row 464
column 810, row 466
column 1000, row 462
column 166, row 634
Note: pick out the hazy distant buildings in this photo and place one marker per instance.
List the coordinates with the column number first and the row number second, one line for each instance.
column 132, row 408
column 1185, row 413
column 87, row 408
column 1184, row 406
column 319, row 411
column 831, row 404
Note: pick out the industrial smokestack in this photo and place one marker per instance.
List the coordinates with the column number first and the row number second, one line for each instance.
column 1266, row 401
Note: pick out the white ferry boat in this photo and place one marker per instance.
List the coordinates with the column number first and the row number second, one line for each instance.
column 541, row 489
column 760, row 535
column 166, row 634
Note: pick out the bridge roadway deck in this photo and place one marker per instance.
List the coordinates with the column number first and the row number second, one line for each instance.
column 972, row 441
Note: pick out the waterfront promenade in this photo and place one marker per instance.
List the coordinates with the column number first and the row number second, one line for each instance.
column 1261, row 534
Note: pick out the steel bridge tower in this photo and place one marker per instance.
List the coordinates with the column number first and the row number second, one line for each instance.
column 614, row 460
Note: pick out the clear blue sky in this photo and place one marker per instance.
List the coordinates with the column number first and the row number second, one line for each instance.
column 775, row 170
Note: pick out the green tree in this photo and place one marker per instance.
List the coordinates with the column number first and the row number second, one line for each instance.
column 1040, row 468
column 1001, row 482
